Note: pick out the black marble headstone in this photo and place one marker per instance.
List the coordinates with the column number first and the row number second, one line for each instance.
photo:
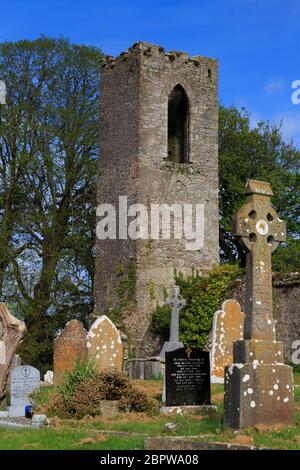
column 187, row 377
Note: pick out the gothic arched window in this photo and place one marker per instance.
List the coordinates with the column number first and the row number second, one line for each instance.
column 178, row 125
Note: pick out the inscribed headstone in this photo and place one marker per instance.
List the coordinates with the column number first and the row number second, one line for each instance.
column 258, row 385
column 23, row 381
column 187, row 375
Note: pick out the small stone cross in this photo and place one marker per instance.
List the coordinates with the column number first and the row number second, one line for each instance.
column 176, row 303
column 25, row 371
column 259, row 231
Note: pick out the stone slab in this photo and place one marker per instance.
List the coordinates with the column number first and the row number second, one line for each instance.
column 173, row 443
column 228, row 326
column 11, row 424
column 183, row 410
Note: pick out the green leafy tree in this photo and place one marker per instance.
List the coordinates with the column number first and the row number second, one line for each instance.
column 258, row 153
column 50, row 140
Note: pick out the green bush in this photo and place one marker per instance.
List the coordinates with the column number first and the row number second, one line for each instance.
column 160, row 321
column 56, row 406
column 134, row 400
column 84, row 396
column 82, row 371
column 204, row 295
column 296, row 368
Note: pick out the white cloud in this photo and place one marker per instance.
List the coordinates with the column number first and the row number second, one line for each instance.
column 274, row 86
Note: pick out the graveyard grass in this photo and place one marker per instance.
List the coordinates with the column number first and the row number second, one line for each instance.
column 128, row 431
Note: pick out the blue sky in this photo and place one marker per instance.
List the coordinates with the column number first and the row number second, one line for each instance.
column 256, row 41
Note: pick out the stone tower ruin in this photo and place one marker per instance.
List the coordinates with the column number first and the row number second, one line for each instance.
column 158, row 145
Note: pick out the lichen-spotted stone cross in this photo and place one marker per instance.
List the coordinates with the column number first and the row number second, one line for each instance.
column 259, row 230
column 176, row 302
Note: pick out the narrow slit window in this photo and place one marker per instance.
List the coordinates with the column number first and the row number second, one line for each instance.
column 178, row 126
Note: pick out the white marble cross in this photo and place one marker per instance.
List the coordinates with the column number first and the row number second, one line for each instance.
column 176, row 303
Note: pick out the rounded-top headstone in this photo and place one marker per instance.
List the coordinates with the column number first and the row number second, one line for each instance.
column 69, row 346
column 104, row 344
column 23, row 381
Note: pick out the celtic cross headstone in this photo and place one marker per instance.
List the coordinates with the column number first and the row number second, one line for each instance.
column 258, row 386
column 259, row 230
column 176, row 302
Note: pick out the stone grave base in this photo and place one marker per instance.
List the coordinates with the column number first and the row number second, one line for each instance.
column 16, row 411
column 182, row 410
column 109, row 408
column 37, row 421
column 258, row 394
column 145, row 368
column 170, row 346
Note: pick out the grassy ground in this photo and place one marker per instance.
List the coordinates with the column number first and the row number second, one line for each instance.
column 127, row 431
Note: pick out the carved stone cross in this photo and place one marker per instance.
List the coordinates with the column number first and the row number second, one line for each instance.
column 176, row 303
column 259, row 230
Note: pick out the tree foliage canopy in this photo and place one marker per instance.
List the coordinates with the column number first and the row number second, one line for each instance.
column 48, row 169
column 258, row 153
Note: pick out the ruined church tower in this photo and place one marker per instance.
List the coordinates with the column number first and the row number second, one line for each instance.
column 158, row 145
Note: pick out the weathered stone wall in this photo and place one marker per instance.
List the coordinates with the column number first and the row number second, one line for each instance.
column 134, row 113
column 286, row 307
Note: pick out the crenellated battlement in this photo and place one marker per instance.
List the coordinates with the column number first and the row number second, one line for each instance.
column 151, row 51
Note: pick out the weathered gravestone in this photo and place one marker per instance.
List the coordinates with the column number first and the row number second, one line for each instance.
column 104, row 344
column 228, row 327
column 176, row 302
column 49, row 377
column 23, row 381
column 69, row 346
column 187, row 377
column 12, row 332
column 258, row 385
column 16, row 362
column 145, row 368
